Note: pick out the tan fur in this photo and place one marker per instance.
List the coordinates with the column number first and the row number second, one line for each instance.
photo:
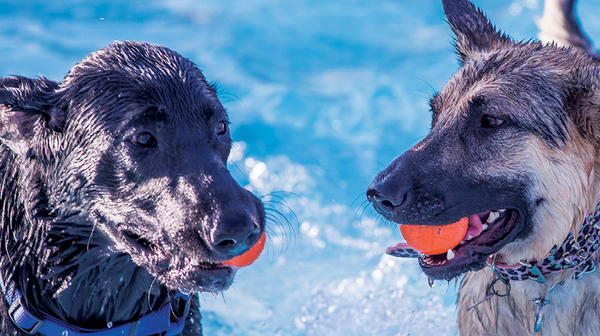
column 562, row 177
column 572, row 309
column 569, row 179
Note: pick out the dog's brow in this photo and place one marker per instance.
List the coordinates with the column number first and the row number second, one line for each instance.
column 209, row 110
column 154, row 113
column 151, row 115
column 477, row 102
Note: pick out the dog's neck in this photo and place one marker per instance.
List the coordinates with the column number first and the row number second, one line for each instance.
column 114, row 291
column 575, row 253
column 90, row 286
column 63, row 268
column 564, row 264
column 516, row 314
column 169, row 317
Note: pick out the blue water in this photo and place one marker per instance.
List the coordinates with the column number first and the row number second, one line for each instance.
column 322, row 95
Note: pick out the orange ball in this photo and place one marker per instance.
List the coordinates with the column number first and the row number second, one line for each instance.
column 435, row 239
column 248, row 258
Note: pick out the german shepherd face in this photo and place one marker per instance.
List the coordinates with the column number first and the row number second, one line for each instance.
column 513, row 147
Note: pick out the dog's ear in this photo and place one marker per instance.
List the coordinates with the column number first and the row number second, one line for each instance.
column 474, row 32
column 24, row 103
column 582, row 98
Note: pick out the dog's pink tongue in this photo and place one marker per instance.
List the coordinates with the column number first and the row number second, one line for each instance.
column 475, row 226
column 406, row 251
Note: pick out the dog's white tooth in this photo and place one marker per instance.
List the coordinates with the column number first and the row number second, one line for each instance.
column 194, row 262
column 492, row 216
column 484, row 227
column 502, row 211
column 449, row 254
column 470, row 237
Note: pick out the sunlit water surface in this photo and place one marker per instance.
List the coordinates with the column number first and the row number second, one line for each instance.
column 322, row 95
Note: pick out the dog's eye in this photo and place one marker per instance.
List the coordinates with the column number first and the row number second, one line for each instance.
column 488, row 121
column 221, row 128
column 144, row 139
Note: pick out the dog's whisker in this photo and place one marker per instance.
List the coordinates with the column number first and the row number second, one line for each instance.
column 282, row 222
column 276, row 194
column 357, row 198
column 360, row 211
column 239, row 169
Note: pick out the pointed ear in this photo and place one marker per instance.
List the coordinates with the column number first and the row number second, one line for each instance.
column 474, row 33
column 582, row 96
column 24, row 103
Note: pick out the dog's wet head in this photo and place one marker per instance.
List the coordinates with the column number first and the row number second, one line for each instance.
column 134, row 144
column 507, row 132
column 166, row 193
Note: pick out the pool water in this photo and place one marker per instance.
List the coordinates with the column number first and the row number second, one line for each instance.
column 322, row 95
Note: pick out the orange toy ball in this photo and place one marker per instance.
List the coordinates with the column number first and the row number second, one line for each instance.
column 248, row 258
column 435, row 239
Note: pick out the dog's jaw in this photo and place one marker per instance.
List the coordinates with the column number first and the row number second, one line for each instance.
column 472, row 253
column 488, row 232
column 175, row 270
column 205, row 277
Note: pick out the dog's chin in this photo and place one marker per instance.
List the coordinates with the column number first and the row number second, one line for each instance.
column 203, row 277
column 176, row 271
column 483, row 238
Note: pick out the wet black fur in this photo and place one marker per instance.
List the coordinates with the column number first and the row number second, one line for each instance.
column 94, row 226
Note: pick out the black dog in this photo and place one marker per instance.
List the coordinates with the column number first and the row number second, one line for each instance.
column 117, row 206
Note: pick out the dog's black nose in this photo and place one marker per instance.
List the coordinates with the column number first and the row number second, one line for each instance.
column 383, row 203
column 235, row 236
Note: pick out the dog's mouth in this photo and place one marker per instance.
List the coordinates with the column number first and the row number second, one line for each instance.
column 180, row 272
column 487, row 233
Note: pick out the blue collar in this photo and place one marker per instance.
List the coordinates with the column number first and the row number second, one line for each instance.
column 157, row 322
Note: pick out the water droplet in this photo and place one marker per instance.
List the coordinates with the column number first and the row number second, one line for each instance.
column 109, row 324
column 65, row 333
column 431, row 282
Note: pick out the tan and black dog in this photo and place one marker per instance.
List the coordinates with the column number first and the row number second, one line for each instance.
column 514, row 147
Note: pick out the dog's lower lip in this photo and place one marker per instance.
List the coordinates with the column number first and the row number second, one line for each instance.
column 210, row 266
column 205, row 265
